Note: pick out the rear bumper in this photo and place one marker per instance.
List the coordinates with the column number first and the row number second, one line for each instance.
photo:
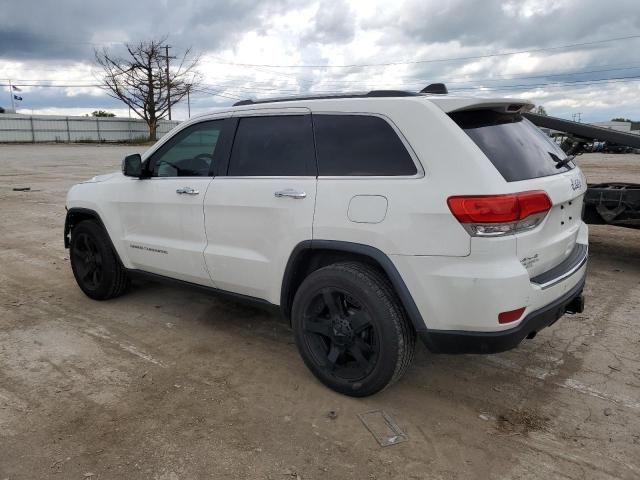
column 455, row 341
column 467, row 294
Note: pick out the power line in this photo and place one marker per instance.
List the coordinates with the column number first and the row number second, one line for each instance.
column 49, row 85
column 407, row 79
column 212, row 89
column 475, row 87
column 217, row 93
column 208, row 92
column 548, row 85
column 44, row 80
column 414, row 62
column 235, row 92
column 251, row 85
column 365, row 84
column 501, row 78
column 419, row 78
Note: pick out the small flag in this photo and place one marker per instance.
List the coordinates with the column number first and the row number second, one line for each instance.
column 16, row 89
column 17, row 97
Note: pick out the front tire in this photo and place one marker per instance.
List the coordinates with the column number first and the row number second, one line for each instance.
column 95, row 265
column 351, row 330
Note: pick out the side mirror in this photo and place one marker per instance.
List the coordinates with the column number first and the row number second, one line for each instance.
column 132, row 165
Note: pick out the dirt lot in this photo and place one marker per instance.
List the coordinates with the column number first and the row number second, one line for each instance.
column 168, row 383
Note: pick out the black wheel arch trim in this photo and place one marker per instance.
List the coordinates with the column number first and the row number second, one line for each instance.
column 379, row 257
column 86, row 212
column 68, row 221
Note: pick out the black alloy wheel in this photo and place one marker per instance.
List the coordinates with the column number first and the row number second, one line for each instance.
column 88, row 261
column 338, row 331
column 95, row 265
column 351, row 330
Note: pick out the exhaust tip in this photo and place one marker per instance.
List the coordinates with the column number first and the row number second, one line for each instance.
column 576, row 305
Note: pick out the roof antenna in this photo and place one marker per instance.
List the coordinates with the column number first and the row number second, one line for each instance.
column 437, row 88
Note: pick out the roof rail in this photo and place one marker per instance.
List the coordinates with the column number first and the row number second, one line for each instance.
column 372, row 93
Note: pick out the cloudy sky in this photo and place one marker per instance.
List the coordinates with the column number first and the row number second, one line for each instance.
column 572, row 56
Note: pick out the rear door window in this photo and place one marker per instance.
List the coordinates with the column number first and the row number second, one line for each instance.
column 514, row 145
column 359, row 145
column 273, row 146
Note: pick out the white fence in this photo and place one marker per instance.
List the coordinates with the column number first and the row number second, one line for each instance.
column 49, row 128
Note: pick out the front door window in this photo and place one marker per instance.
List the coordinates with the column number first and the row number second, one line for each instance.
column 189, row 154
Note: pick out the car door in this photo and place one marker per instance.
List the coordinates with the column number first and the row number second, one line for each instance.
column 263, row 207
column 162, row 215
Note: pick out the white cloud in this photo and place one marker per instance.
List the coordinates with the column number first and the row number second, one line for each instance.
column 291, row 32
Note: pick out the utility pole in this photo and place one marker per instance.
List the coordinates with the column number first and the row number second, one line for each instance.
column 189, row 100
column 167, row 57
column 13, row 104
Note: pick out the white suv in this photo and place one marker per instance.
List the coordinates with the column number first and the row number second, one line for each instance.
column 368, row 219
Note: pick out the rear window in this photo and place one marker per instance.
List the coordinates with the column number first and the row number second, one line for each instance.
column 359, row 145
column 515, row 146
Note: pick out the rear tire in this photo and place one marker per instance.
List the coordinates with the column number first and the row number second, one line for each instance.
column 350, row 329
column 94, row 263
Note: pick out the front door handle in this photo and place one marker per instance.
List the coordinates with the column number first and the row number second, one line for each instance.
column 291, row 193
column 187, row 191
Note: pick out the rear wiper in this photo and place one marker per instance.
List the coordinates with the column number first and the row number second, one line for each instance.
column 564, row 162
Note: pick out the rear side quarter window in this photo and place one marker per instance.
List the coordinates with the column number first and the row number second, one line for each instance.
column 359, row 145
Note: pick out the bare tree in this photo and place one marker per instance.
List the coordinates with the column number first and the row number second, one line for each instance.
column 141, row 78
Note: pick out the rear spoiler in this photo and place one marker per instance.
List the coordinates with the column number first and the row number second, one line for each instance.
column 458, row 104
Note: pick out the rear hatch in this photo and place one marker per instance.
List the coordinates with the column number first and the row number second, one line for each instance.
column 530, row 161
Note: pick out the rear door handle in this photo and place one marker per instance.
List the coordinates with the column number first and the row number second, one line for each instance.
column 187, row 191
column 291, row 193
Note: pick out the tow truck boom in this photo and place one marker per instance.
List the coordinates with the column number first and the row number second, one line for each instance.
column 605, row 203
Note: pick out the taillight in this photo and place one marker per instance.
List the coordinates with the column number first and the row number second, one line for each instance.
column 494, row 215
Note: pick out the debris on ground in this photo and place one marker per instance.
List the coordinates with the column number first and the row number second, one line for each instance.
column 383, row 428
column 521, row 421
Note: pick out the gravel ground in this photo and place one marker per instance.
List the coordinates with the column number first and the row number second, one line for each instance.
column 169, row 383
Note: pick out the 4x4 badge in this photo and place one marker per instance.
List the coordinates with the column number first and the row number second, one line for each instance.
column 576, row 184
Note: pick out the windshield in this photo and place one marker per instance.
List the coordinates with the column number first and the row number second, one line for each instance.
column 515, row 146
